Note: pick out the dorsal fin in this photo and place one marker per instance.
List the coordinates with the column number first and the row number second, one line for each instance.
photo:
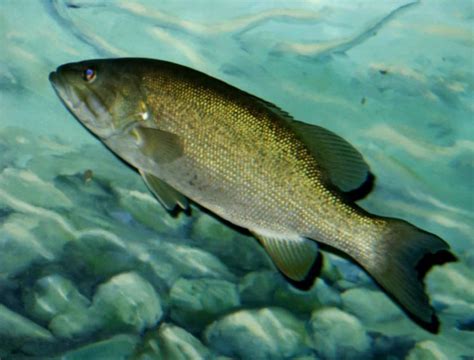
column 346, row 167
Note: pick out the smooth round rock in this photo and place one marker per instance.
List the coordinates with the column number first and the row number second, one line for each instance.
column 269, row 333
column 426, row 350
column 127, row 301
column 196, row 302
column 370, row 306
column 338, row 335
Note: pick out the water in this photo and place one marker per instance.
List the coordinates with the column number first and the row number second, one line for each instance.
column 92, row 267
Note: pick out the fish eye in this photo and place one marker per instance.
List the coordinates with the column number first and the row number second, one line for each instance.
column 89, row 74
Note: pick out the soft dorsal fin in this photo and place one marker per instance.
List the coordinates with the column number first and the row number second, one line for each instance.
column 346, row 167
column 159, row 145
column 293, row 257
column 168, row 196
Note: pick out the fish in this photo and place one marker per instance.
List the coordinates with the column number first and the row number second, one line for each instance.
column 293, row 185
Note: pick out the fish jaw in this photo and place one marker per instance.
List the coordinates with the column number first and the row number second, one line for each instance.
column 84, row 105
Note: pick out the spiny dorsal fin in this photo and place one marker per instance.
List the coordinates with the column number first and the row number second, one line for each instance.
column 346, row 167
column 168, row 196
column 293, row 257
column 161, row 146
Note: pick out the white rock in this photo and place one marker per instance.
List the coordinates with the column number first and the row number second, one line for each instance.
column 172, row 342
column 173, row 261
column 53, row 295
column 370, row 306
column 338, row 335
column 426, row 350
column 127, row 301
column 269, row 333
column 27, row 239
column 455, row 280
column 26, row 186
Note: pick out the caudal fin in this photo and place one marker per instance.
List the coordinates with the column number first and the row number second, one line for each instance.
column 401, row 259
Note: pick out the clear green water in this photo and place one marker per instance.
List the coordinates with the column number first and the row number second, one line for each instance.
column 98, row 270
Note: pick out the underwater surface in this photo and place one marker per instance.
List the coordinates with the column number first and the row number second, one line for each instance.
column 91, row 265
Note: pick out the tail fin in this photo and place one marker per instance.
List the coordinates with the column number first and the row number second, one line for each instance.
column 402, row 258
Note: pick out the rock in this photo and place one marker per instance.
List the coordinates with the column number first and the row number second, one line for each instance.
column 454, row 280
column 127, row 302
column 195, row 303
column 330, row 273
column 370, row 306
column 172, row 342
column 17, row 331
column 426, row 350
column 346, row 273
column 173, row 261
column 26, row 239
column 146, row 209
column 26, row 186
column 239, row 252
column 98, row 255
column 75, row 324
column 306, row 301
column 257, row 288
column 269, row 333
column 338, row 335
column 53, row 295
column 117, row 347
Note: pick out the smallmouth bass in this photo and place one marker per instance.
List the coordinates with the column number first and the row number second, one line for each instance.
column 291, row 184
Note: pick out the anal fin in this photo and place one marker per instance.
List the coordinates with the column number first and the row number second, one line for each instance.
column 168, row 196
column 295, row 258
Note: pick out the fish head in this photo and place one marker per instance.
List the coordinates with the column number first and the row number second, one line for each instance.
column 104, row 95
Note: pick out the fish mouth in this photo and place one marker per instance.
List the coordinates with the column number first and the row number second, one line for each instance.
column 83, row 105
column 68, row 97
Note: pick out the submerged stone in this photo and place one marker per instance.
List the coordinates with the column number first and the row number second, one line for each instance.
column 426, row 350
column 116, row 348
column 171, row 262
column 269, row 333
column 257, row 288
column 370, row 306
column 26, row 186
column 306, row 301
column 240, row 252
column 128, row 302
column 146, row 209
column 197, row 302
column 75, row 324
column 53, row 295
column 453, row 280
column 27, row 239
column 17, row 331
column 172, row 342
column 338, row 335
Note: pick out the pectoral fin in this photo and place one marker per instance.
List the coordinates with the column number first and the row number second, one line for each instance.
column 293, row 257
column 159, row 145
column 168, row 197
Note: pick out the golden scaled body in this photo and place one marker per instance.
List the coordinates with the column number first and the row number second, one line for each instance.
column 194, row 137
